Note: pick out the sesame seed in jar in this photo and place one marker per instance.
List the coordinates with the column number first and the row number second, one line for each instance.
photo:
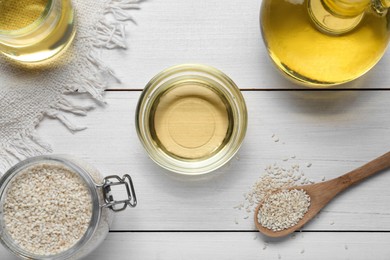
column 47, row 209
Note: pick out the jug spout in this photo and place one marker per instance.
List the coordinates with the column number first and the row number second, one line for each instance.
column 380, row 6
column 385, row 3
column 337, row 17
column 346, row 8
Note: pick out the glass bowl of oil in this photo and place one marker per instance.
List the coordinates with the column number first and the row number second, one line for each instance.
column 191, row 119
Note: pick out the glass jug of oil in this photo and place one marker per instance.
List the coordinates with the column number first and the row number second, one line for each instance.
column 35, row 31
column 320, row 43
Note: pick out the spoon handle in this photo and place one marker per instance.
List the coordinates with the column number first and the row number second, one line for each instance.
column 370, row 168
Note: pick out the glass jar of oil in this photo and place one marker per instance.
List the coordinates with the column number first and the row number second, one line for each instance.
column 34, row 31
column 321, row 43
column 191, row 119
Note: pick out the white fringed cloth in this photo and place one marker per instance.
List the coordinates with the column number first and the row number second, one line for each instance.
column 29, row 95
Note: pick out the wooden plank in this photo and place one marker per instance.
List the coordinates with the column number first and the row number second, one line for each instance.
column 161, row 245
column 222, row 33
column 335, row 131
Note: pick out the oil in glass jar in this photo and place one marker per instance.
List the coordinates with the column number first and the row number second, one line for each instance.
column 34, row 31
column 320, row 43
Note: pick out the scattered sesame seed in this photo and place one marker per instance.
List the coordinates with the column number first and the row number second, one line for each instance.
column 332, row 223
column 302, row 251
column 308, row 165
column 275, row 178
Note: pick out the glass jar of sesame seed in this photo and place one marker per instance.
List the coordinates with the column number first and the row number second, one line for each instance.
column 59, row 207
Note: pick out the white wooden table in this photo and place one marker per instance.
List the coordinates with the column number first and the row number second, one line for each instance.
column 335, row 130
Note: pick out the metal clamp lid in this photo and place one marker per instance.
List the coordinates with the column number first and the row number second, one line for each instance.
column 111, row 203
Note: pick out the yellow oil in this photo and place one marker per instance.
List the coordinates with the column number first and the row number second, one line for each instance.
column 191, row 121
column 31, row 32
column 346, row 8
column 15, row 15
column 350, row 46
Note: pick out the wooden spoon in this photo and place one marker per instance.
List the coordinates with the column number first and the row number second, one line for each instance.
column 321, row 193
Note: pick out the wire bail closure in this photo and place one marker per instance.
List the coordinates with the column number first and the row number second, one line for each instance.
column 120, row 205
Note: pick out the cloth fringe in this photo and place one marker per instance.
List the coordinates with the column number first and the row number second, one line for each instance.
column 58, row 111
column 20, row 147
column 108, row 34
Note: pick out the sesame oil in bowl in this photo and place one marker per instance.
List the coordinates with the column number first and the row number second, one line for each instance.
column 191, row 119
